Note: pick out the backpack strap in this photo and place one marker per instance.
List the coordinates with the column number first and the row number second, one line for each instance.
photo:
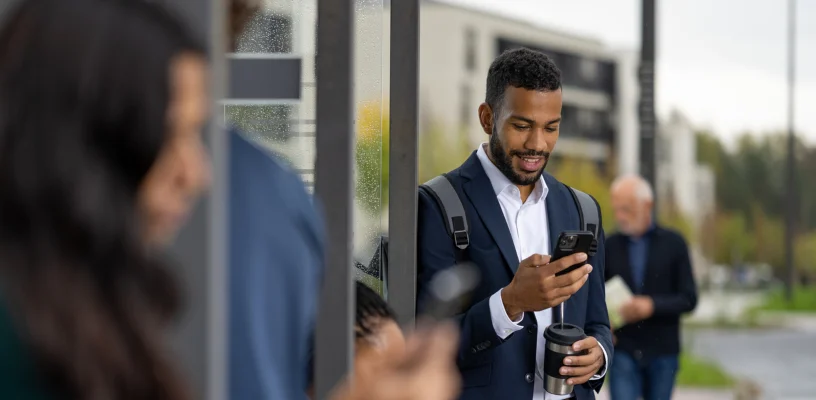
column 441, row 189
column 589, row 215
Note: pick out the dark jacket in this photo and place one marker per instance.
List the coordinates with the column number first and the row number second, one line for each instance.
column 668, row 280
column 493, row 368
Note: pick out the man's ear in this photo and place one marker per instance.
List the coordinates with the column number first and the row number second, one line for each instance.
column 486, row 118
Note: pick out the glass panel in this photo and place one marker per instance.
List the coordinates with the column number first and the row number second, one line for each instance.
column 271, row 29
column 289, row 26
column 371, row 116
column 282, row 26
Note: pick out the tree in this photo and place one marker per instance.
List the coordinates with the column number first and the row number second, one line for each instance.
column 768, row 238
column 734, row 242
column 584, row 175
column 440, row 151
column 671, row 217
column 805, row 255
column 371, row 157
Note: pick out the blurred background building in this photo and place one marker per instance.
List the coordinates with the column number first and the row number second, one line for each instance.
column 459, row 43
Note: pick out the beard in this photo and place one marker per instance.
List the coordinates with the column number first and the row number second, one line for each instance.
column 504, row 161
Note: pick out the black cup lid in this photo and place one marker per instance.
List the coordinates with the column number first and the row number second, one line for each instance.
column 565, row 334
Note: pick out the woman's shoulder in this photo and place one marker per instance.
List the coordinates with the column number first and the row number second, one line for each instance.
column 19, row 378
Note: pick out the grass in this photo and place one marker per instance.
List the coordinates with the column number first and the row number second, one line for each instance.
column 803, row 300
column 701, row 373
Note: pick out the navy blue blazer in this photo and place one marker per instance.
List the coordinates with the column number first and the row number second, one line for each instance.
column 493, row 368
column 275, row 271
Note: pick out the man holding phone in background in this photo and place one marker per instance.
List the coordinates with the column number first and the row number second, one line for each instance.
column 516, row 212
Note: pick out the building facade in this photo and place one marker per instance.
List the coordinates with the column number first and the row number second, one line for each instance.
column 457, row 46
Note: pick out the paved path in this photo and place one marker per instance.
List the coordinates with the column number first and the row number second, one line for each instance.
column 783, row 363
column 688, row 394
column 728, row 306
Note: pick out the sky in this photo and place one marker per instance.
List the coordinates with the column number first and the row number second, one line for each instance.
column 722, row 63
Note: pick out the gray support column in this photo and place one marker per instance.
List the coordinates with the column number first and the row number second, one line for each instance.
column 334, row 187
column 402, row 195
column 646, row 112
column 201, row 248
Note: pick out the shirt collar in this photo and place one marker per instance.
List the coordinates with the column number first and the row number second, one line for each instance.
column 649, row 231
column 500, row 182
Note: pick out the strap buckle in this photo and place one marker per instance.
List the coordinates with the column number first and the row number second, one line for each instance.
column 461, row 239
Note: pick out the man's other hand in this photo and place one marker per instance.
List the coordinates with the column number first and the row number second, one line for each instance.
column 637, row 309
column 535, row 286
column 582, row 368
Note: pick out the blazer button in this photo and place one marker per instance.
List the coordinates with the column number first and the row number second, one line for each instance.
column 532, row 328
column 528, row 378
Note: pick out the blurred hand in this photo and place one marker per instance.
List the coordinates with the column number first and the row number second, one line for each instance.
column 637, row 309
column 426, row 372
column 582, row 368
column 535, row 286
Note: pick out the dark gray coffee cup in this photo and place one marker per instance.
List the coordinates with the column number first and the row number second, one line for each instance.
column 560, row 338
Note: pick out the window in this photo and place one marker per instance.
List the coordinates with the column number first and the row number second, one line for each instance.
column 470, row 50
column 589, row 71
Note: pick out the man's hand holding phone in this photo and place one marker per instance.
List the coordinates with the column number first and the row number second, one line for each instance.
column 535, row 286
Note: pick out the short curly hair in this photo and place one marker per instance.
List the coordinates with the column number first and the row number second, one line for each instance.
column 521, row 68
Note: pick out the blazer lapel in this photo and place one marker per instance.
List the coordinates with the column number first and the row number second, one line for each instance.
column 559, row 219
column 478, row 189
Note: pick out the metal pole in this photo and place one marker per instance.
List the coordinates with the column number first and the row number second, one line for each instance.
column 201, row 337
column 790, row 209
column 334, row 186
column 648, row 122
column 402, row 192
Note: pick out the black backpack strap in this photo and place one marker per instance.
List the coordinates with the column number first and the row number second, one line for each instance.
column 589, row 215
column 441, row 189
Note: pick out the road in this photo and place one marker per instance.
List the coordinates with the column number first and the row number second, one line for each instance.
column 782, row 362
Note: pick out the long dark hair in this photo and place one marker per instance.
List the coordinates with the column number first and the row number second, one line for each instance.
column 84, row 91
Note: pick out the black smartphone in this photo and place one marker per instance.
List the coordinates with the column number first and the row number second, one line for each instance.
column 569, row 243
column 449, row 292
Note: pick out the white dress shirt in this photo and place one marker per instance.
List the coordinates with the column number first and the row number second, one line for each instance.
column 531, row 235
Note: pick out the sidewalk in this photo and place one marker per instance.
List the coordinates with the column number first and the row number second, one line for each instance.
column 689, row 394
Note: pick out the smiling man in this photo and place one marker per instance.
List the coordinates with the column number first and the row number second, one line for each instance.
column 515, row 213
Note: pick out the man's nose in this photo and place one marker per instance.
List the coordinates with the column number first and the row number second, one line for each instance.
column 536, row 141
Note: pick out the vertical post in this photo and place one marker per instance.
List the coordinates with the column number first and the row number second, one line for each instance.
column 648, row 121
column 790, row 208
column 334, row 186
column 402, row 192
column 202, row 246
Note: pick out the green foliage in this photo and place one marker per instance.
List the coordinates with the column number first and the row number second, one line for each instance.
column 803, row 300
column 701, row 373
column 751, row 201
column 584, row 175
column 440, row 152
column 371, row 157
column 671, row 217
column 805, row 255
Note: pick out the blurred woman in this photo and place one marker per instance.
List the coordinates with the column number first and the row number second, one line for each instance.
column 102, row 104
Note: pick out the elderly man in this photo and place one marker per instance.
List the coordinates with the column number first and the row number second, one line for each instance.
column 654, row 263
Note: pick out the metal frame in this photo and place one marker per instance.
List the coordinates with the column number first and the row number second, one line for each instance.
column 334, row 187
column 201, row 338
column 402, row 197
